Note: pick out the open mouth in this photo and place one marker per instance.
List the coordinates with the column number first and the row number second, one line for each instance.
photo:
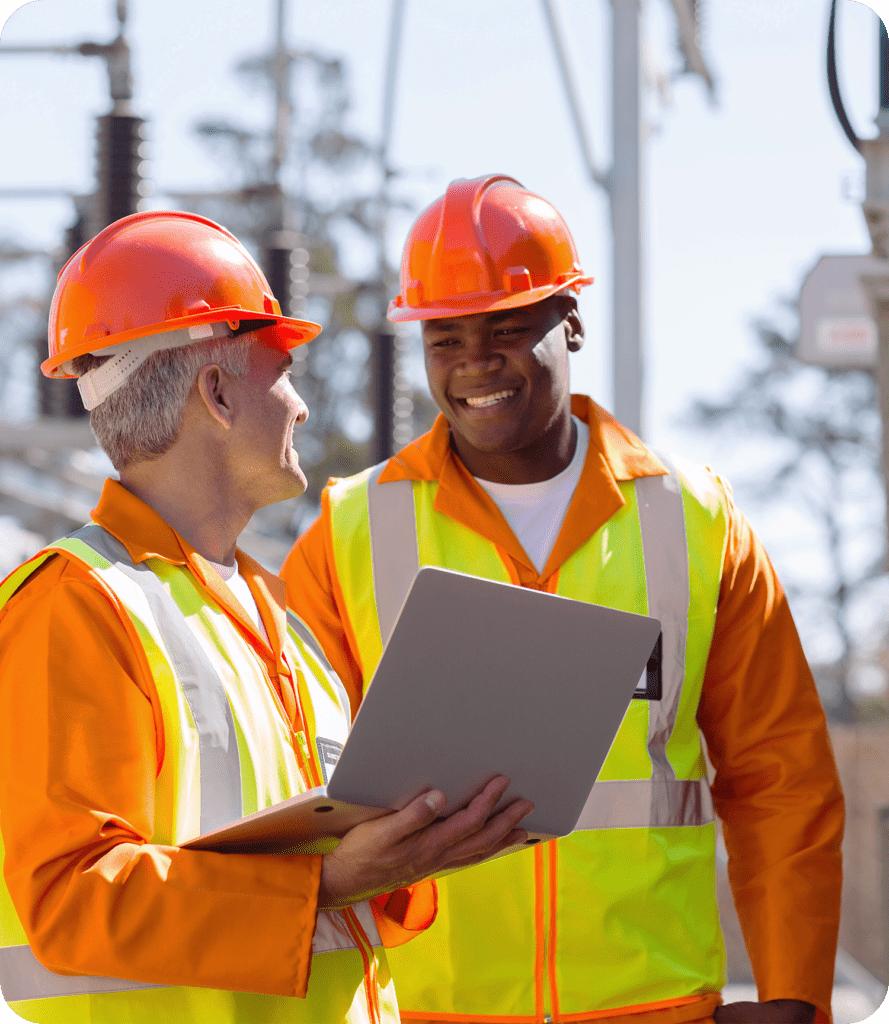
column 485, row 401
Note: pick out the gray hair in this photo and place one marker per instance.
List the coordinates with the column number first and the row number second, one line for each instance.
column 142, row 418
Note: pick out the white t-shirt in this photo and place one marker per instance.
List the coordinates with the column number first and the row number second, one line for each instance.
column 535, row 512
column 238, row 586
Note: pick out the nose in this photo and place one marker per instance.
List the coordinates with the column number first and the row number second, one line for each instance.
column 480, row 358
column 302, row 410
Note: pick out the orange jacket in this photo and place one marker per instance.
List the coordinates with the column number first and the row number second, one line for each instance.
column 776, row 787
column 81, row 743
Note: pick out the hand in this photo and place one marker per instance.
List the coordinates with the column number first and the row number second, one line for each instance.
column 775, row 1011
column 409, row 845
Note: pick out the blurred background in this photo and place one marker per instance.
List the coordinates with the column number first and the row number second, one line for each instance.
column 720, row 166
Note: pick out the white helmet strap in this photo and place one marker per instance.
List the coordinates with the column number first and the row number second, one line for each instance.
column 96, row 385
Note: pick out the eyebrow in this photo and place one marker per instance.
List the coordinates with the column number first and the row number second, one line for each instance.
column 449, row 323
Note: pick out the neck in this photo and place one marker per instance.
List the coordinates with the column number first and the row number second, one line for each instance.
column 543, row 460
column 195, row 498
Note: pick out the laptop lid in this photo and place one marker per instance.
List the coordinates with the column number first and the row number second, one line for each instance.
column 477, row 678
column 481, row 677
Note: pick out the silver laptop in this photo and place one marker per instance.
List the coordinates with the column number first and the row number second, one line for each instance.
column 477, row 678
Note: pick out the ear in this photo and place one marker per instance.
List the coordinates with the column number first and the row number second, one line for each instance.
column 574, row 331
column 213, row 394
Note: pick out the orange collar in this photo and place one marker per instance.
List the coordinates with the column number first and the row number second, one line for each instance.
column 614, row 454
column 146, row 535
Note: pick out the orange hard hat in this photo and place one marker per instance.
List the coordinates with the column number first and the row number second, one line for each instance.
column 486, row 244
column 156, row 273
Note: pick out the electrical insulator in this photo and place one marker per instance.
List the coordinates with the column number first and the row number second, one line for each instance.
column 403, row 391
column 299, row 279
column 287, row 270
column 286, row 265
column 383, row 391
column 122, row 165
column 299, row 295
column 277, row 271
column 60, row 398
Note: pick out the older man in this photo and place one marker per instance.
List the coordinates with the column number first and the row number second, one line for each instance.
column 522, row 482
column 153, row 685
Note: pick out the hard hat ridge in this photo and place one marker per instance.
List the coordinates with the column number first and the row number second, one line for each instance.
column 486, row 244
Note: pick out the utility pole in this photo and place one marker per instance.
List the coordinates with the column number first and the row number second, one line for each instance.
column 876, row 214
column 391, row 401
column 285, row 252
column 120, row 173
column 120, row 135
column 624, row 185
column 624, row 181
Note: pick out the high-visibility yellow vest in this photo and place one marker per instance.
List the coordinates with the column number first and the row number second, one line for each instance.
column 623, row 911
column 228, row 753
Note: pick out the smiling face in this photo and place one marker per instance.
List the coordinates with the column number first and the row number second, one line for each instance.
column 268, row 409
column 501, row 379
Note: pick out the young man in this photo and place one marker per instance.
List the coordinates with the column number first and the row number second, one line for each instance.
column 521, row 482
column 154, row 686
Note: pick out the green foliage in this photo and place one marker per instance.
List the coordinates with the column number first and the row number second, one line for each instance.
column 805, row 444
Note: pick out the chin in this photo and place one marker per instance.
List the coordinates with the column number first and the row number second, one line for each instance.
column 292, row 486
column 500, row 445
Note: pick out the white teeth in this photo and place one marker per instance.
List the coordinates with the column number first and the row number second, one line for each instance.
column 481, row 402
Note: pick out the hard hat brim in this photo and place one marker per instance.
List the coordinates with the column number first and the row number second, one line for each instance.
column 278, row 332
column 484, row 302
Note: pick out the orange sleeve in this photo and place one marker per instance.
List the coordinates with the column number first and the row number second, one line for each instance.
column 78, row 760
column 776, row 786
column 312, row 593
column 405, row 913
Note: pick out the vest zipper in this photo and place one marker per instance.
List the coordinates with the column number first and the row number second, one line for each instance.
column 365, row 948
column 312, row 764
column 298, row 740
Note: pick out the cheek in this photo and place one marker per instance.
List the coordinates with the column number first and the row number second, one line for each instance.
column 549, row 359
column 436, row 375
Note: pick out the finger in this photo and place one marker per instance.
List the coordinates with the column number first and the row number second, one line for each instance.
column 512, row 842
column 419, row 813
column 500, row 825
column 479, row 844
column 474, row 816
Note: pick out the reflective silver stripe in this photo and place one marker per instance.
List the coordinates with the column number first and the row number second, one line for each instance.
column 665, row 551
column 332, row 934
column 395, row 556
column 22, row 976
column 204, row 691
column 307, row 637
column 647, row 803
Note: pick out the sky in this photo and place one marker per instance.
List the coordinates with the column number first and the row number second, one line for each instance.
column 743, row 191
column 742, row 194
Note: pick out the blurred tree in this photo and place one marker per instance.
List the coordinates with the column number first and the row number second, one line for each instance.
column 327, row 184
column 804, row 445
column 22, row 318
